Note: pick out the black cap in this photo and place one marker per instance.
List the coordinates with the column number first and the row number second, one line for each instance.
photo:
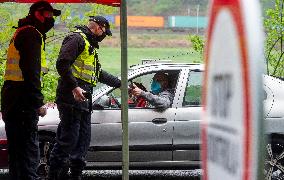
column 102, row 21
column 43, row 5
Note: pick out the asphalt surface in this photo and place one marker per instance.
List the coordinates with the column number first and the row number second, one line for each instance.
column 134, row 174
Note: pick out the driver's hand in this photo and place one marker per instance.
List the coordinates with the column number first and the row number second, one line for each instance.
column 136, row 91
column 78, row 94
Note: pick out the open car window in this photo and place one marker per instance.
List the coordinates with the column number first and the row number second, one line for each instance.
column 112, row 100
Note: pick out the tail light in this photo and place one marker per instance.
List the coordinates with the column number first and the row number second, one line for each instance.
column 3, row 141
column 3, row 153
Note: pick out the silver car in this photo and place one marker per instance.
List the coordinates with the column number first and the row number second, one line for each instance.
column 159, row 139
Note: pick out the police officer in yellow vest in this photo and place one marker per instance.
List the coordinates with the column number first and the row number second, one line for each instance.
column 21, row 97
column 79, row 69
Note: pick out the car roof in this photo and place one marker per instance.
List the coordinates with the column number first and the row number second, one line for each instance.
column 275, row 96
column 193, row 66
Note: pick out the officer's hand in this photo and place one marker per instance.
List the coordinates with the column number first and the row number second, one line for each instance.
column 42, row 111
column 78, row 94
column 136, row 91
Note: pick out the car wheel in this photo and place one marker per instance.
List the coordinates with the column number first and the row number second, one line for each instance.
column 274, row 161
column 46, row 143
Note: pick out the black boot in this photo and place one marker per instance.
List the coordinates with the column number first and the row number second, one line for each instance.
column 78, row 177
column 61, row 173
column 76, row 173
column 76, row 169
column 52, row 175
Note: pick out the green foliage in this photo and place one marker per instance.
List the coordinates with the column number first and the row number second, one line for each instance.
column 274, row 49
column 49, row 86
column 2, row 70
column 267, row 4
column 197, row 43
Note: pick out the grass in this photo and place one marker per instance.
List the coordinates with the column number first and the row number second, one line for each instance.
column 141, row 45
column 110, row 57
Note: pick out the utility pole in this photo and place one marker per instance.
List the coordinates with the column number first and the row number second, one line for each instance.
column 197, row 19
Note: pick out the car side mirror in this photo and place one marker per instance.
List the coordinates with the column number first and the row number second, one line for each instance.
column 101, row 103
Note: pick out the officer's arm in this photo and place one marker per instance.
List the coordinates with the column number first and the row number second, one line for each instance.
column 109, row 79
column 72, row 47
column 28, row 42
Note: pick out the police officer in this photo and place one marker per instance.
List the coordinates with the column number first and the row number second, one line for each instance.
column 79, row 69
column 21, row 97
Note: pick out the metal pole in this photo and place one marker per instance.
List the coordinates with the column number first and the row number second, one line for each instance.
column 188, row 10
column 197, row 19
column 124, row 90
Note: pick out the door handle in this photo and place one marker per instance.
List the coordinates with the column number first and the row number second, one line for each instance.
column 159, row 120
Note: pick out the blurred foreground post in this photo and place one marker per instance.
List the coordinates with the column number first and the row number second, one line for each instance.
column 232, row 130
column 124, row 90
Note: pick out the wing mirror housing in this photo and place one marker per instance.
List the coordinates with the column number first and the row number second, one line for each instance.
column 101, row 103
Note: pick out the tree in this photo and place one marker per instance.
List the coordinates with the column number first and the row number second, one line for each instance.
column 274, row 50
column 197, row 43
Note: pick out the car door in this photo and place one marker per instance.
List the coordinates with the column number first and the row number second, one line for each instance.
column 150, row 131
column 187, row 121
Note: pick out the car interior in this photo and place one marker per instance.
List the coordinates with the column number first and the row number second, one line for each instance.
column 112, row 100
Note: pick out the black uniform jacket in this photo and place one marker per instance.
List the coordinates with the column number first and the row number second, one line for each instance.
column 72, row 46
column 26, row 94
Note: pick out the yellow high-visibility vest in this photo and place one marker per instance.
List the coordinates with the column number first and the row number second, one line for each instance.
column 13, row 71
column 86, row 66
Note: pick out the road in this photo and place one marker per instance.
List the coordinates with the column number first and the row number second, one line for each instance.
column 135, row 175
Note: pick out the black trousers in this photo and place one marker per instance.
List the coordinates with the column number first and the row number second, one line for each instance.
column 72, row 140
column 23, row 146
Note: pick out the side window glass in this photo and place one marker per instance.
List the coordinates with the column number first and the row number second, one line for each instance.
column 144, row 80
column 193, row 90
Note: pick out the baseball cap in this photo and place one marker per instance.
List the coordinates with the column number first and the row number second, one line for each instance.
column 43, row 5
column 100, row 20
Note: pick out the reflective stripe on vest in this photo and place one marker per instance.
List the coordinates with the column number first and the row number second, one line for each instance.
column 85, row 65
column 44, row 69
column 13, row 71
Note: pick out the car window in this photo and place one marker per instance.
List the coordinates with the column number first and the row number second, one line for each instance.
column 144, row 80
column 193, row 89
column 112, row 100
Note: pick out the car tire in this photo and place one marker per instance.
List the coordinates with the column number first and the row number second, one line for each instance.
column 46, row 143
column 274, row 160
